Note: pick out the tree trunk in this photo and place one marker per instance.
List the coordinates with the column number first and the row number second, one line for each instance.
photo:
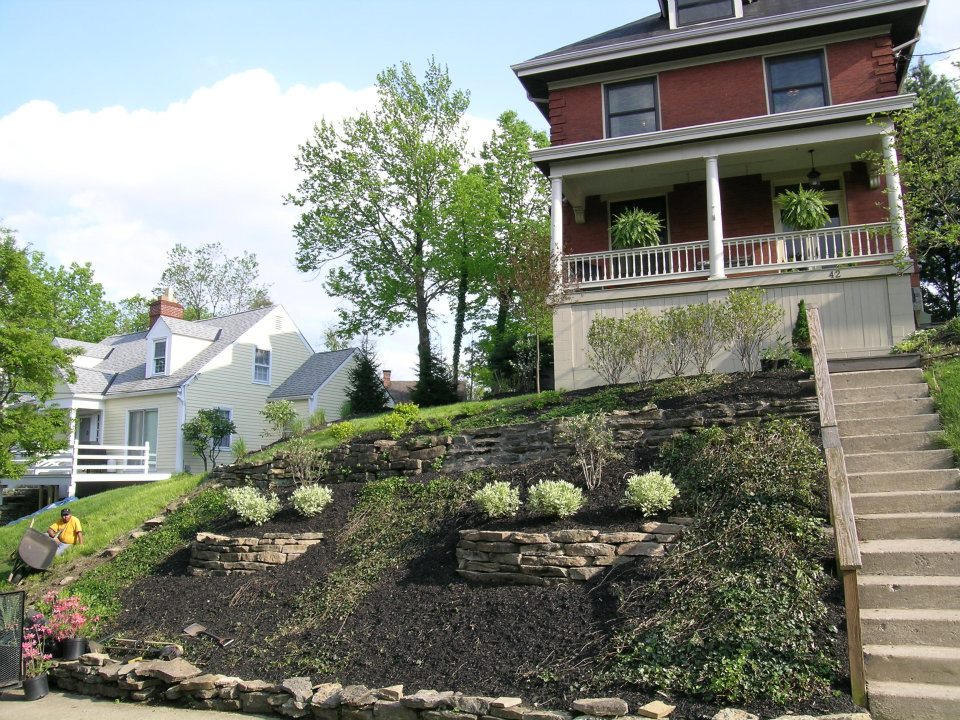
column 460, row 320
column 538, row 364
column 502, row 309
column 423, row 330
column 951, row 280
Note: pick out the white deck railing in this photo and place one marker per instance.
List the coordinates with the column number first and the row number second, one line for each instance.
column 850, row 244
column 97, row 459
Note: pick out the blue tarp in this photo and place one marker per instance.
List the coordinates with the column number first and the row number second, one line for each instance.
column 51, row 506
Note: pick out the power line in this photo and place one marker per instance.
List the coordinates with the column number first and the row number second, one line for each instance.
column 942, row 52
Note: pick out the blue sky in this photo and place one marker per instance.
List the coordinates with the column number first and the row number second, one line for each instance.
column 127, row 126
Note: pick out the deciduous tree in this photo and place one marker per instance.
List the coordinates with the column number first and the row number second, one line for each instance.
column 206, row 432
column 81, row 311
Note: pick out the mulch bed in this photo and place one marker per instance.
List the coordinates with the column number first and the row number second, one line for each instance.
column 423, row 626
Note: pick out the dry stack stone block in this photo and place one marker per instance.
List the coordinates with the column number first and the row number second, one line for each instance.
column 213, row 554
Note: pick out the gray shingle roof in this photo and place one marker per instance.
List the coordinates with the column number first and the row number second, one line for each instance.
column 312, row 374
column 90, row 381
column 191, row 329
column 93, row 350
column 124, row 364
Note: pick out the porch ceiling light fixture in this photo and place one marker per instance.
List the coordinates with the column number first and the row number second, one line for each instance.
column 814, row 175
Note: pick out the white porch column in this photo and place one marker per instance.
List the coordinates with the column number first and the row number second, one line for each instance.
column 72, row 440
column 894, row 197
column 556, row 221
column 714, row 219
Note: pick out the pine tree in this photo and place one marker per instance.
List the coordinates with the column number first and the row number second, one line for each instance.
column 365, row 389
column 435, row 385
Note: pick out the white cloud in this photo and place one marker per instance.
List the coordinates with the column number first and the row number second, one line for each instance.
column 118, row 187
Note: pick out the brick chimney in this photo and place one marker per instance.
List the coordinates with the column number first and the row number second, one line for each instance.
column 386, row 378
column 165, row 306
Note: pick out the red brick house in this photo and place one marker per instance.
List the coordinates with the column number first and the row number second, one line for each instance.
column 703, row 113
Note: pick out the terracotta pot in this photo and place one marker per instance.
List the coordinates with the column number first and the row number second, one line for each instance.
column 73, row 648
column 36, row 687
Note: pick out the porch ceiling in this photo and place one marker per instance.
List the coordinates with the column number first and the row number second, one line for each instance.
column 834, row 156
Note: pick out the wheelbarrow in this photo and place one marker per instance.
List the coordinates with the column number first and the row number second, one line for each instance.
column 36, row 550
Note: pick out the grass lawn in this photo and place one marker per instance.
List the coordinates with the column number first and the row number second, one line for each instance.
column 105, row 517
column 944, row 381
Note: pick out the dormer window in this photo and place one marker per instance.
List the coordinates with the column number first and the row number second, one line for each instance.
column 632, row 108
column 160, row 357
column 694, row 12
column 261, row 366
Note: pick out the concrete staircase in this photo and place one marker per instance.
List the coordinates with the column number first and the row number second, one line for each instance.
column 906, row 499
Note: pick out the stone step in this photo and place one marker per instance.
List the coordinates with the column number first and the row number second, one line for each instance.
column 906, row 591
column 913, row 701
column 890, row 425
column 875, row 378
column 906, row 525
column 911, row 557
column 913, row 664
column 910, row 626
column 890, row 461
column 874, row 362
column 856, row 444
column 886, row 392
column 904, row 480
column 884, row 409
column 907, row 501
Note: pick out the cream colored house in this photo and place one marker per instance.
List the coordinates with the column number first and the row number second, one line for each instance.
column 319, row 384
column 137, row 390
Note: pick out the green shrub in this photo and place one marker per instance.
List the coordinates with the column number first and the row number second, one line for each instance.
column 709, row 330
column 239, row 449
column 306, row 461
column 399, row 422
column 750, row 321
column 801, row 328
column 649, row 493
column 592, row 442
column 279, row 415
column 310, row 500
column 318, row 418
column 799, row 361
column 555, row 498
column 646, row 336
column 250, row 505
column 679, row 327
column 342, row 431
column 611, row 347
column 497, row 499
column 409, row 411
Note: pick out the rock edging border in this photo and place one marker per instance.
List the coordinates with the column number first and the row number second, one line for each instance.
column 212, row 554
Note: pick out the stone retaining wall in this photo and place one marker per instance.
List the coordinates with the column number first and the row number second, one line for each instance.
column 364, row 459
column 559, row 556
column 221, row 555
column 179, row 682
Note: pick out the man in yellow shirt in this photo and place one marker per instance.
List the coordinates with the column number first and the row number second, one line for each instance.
column 66, row 531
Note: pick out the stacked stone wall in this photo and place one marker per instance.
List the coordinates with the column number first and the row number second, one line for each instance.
column 212, row 554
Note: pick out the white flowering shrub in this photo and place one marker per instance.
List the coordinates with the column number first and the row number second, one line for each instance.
column 649, row 493
column 497, row 499
column 251, row 506
column 555, row 498
column 310, row 500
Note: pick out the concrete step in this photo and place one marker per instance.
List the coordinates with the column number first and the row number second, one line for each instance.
column 910, row 626
column 913, row 701
column 906, row 591
column 913, row 664
column 907, row 501
column 905, row 480
column 891, row 461
column 886, row 392
column 890, row 425
column 875, row 378
column 884, row 409
column 910, row 557
column 906, row 525
column 858, row 444
column 874, row 362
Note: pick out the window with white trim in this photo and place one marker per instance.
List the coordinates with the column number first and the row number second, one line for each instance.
column 692, row 12
column 227, row 440
column 261, row 366
column 797, row 82
column 632, row 107
column 160, row 357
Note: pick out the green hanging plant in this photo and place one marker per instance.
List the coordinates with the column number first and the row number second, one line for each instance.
column 803, row 209
column 636, row 228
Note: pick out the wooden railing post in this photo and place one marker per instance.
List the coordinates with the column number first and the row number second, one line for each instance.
column 841, row 507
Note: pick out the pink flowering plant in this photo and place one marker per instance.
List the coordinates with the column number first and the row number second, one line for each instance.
column 36, row 661
column 67, row 617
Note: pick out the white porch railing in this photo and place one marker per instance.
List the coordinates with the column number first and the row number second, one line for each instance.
column 852, row 244
column 97, row 459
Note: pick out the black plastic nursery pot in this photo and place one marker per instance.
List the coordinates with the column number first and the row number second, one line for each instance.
column 36, row 687
column 72, row 648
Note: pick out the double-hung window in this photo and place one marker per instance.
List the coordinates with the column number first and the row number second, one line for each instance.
column 226, row 440
column 159, row 357
column 797, row 82
column 632, row 107
column 261, row 366
column 691, row 12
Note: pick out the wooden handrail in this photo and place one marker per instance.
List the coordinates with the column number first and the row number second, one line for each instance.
column 841, row 507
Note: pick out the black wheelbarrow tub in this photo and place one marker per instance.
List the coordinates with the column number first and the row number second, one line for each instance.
column 37, row 549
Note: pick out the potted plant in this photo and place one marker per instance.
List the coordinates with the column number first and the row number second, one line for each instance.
column 803, row 209
column 776, row 356
column 36, row 661
column 67, row 619
column 635, row 228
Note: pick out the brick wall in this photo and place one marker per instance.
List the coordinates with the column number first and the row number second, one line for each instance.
column 712, row 93
column 592, row 235
column 861, row 70
column 576, row 114
column 863, row 204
